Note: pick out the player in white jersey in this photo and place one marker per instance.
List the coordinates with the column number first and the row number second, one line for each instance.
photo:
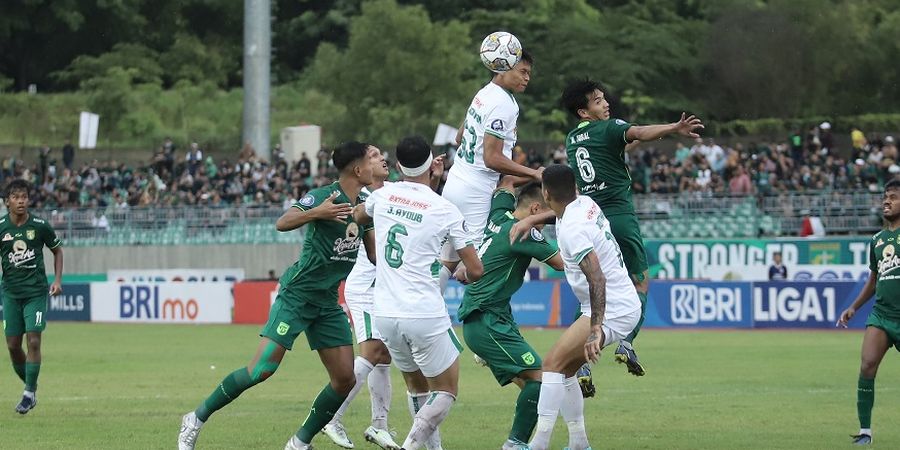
column 486, row 139
column 411, row 223
column 609, row 304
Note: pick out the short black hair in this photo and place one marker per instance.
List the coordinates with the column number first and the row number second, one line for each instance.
column 529, row 193
column 527, row 57
column 893, row 184
column 559, row 181
column 17, row 185
column 575, row 95
column 413, row 151
column 347, row 152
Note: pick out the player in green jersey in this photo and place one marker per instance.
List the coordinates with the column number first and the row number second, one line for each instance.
column 488, row 325
column 25, row 292
column 883, row 324
column 307, row 299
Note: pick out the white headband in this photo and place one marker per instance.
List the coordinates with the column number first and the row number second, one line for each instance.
column 416, row 171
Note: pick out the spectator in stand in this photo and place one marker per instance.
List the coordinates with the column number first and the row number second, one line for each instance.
column 715, row 156
column 796, row 142
column 681, row 152
column 303, row 166
column 826, row 137
column 68, row 152
column 858, row 139
column 740, row 183
column 535, row 159
column 193, row 158
column 777, row 271
column 559, row 155
column 169, row 149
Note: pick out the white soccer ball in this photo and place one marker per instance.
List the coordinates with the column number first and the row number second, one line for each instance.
column 500, row 51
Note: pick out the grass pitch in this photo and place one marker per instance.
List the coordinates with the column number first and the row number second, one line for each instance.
column 126, row 386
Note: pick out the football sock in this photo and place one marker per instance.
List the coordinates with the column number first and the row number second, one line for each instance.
column 32, row 370
column 327, row 402
column 361, row 368
column 572, row 411
column 229, row 389
column 643, row 298
column 429, row 417
column 552, row 394
column 416, row 401
column 865, row 400
column 20, row 370
column 526, row 412
column 380, row 392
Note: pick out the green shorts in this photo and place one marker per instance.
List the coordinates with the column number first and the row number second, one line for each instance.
column 890, row 327
column 498, row 341
column 325, row 326
column 24, row 315
column 628, row 235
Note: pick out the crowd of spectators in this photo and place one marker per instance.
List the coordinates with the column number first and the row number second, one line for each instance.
column 807, row 160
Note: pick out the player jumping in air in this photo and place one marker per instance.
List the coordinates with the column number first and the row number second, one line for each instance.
column 25, row 292
column 610, row 306
column 486, row 139
column 883, row 324
column 488, row 325
column 411, row 222
column 307, row 300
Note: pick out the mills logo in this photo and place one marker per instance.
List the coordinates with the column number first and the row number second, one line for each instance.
column 21, row 254
column 889, row 260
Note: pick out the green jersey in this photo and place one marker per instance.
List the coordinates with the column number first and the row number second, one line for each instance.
column 884, row 261
column 329, row 251
column 504, row 263
column 596, row 151
column 22, row 249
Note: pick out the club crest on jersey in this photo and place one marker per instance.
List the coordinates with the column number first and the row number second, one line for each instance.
column 528, row 358
column 7, row 237
column 29, row 234
column 497, row 125
column 537, row 235
column 307, row 200
column 465, row 227
column 889, row 260
column 620, row 122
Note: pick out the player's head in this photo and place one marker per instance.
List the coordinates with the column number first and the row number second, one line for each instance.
column 414, row 157
column 517, row 78
column 558, row 184
column 891, row 204
column 379, row 164
column 530, row 200
column 16, row 196
column 352, row 159
column 585, row 100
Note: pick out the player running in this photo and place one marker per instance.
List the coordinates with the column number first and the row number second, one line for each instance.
column 411, row 222
column 486, row 139
column 307, row 300
column 610, row 306
column 22, row 240
column 883, row 324
column 488, row 325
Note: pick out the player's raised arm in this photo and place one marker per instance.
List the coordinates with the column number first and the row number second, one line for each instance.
column 590, row 266
column 494, row 159
column 520, row 230
column 686, row 126
column 300, row 214
column 473, row 267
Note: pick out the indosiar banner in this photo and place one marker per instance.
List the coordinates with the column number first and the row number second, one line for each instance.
column 749, row 259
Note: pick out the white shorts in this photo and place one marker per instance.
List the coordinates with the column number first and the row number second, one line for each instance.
column 617, row 329
column 429, row 345
column 474, row 202
column 361, row 314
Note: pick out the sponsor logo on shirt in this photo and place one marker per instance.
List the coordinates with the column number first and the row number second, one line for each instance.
column 350, row 243
column 593, row 187
column 307, row 200
column 21, row 254
column 620, row 122
column 537, row 235
column 7, row 237
column 889, row 260
column 497, row 125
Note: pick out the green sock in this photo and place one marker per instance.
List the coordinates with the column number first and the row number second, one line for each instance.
column 229, row 389
column 32, row 370
column 865, row 400
column 643, row 297
column 20, row 370
column 526, row 412
column 326, row 404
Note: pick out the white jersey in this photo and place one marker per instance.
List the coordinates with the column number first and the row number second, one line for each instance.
column 583, row 228
column 358, row 286
column 493, row 111
column 411, row 223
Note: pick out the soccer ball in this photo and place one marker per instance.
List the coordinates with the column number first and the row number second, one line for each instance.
column 500, row 51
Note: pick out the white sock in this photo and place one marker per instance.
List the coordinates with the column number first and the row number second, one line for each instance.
column 380, row 393
column 29, row 394
column 414, row 402
column 429, row 417
column 867, row 431
column 572, row 411
column 444, row 278
column 361, row 368
column 552, row 393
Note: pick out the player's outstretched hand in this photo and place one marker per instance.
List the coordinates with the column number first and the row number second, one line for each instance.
column 538, row 174
column 337, row 212
column 437, row 167
column 592, row 345
column 688, row 126
column 55, row 288
column 520, row 230
column 845, row 317
column 460, row 275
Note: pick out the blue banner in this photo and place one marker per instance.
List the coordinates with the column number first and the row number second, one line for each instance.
column 532, row 305
column 699, row 304
column 806, row 304
column 73, row 304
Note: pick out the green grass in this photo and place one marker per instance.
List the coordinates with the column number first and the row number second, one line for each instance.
column 126, row 386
